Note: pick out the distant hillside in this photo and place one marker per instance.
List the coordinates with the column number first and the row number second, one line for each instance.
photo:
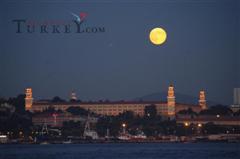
column 180, row 98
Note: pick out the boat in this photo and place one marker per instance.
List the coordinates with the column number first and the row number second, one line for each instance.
column 3, row 139
column 67, row 142
column 139, row 136
column 47, row 136
column 124, row 137
column 88, row 133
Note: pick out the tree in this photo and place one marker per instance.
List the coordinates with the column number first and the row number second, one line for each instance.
column 150, row 111
column 188, row 112
column 2, row 100
column 127, row 115
column 57, row 99
column 211, row 128
column 18, row 102
column 217, row 110
column 15, row 123
column 71, row 128
column 77, row 111
column 108, row 123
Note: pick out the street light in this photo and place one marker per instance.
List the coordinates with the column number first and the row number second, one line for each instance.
column 186, row 124
column 124, row 128
column 199, row 128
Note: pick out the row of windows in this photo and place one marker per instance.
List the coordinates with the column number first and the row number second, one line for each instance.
column 139, row 108
column 114, row 110
column 113, row 106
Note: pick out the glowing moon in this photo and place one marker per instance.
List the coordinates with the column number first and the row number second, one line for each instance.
column 158, row 36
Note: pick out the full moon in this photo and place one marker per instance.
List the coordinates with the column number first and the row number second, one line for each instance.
column 158, row 36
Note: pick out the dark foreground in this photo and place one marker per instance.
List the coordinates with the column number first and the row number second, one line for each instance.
column 123, row 150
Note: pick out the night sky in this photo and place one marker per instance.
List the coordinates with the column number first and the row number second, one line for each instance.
column 201, row 51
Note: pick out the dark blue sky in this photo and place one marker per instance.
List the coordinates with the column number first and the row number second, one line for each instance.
column 201, row 51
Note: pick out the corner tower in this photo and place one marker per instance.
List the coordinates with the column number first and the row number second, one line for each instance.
column 202, row 100
column 28, row 99
column 171, row 101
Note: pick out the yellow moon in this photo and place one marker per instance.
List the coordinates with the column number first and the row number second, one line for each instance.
column 158, row 36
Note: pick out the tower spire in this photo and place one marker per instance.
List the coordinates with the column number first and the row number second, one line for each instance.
column 171, row 101
column 202, row 100
column 73, row 96
column 28, row 99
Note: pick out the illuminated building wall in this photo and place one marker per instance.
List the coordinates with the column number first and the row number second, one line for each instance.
column 236, row 100
column 165, row 109
column 202, row 100
column 171, row 101
column 236, row 96
column 28, row 99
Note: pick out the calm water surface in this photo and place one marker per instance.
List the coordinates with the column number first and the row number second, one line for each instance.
column 122, row 151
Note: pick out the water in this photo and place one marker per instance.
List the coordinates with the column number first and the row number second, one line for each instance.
column 122, row 151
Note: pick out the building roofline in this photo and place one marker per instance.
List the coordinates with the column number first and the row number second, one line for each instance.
column 105, row 103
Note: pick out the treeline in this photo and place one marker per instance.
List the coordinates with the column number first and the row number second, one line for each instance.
column 14, row 120
column 153, row 124
column 213, row 110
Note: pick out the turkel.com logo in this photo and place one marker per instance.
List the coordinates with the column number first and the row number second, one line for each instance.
column 77, row 25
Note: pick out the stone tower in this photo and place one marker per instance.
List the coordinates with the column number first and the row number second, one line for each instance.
column 28, row 99
column 171, row 101
column 202, row 100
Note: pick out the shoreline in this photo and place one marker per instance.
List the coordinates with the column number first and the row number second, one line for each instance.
column 116, row 142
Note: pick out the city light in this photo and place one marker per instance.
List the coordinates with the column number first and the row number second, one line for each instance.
column 3, row 136
column 199, row 125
